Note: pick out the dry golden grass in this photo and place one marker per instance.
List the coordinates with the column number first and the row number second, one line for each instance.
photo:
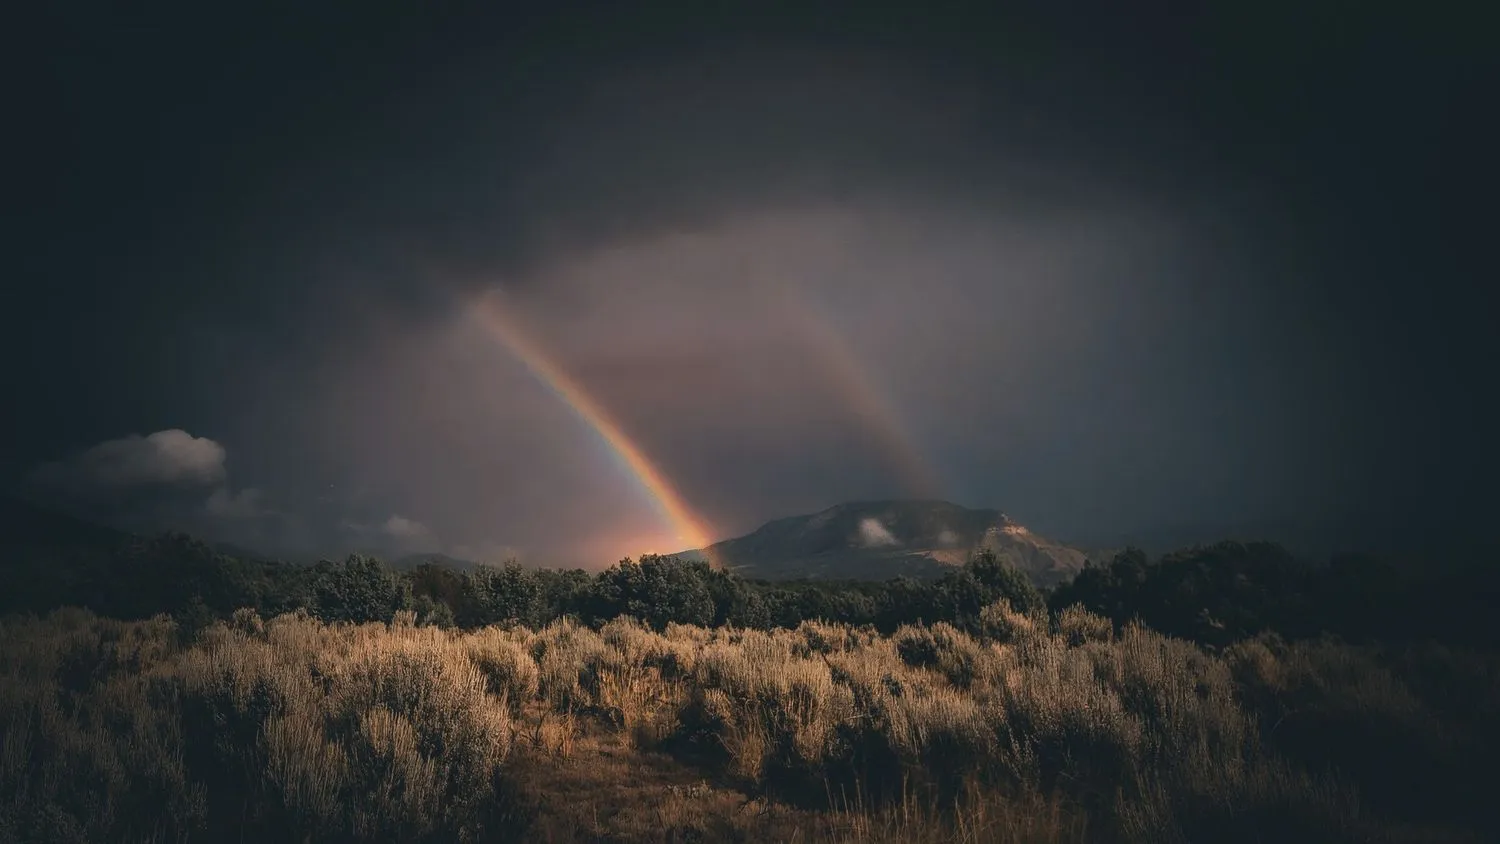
column 1038, row 730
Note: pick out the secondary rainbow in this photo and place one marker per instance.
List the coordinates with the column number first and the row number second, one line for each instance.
column 500, row 325
column 858, row 390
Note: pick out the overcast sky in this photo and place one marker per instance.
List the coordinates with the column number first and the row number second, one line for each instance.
column 1111, row 274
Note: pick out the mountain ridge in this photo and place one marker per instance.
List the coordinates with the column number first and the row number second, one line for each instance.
column 882, row 538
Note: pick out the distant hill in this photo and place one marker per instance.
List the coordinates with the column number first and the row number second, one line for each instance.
column 412, row 561
column 1315, row 539
column 50, row 559
column 876, row 540
column 24, row 524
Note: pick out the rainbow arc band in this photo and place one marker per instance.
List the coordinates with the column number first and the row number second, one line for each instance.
column 856, row 386
column 501, row 325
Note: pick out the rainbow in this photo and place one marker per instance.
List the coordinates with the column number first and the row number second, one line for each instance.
column 857, row 388
column 692, row 531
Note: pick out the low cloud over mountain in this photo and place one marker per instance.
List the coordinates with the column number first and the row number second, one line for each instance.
column 880, row 539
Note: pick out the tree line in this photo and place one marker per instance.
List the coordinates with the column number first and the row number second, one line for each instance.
column 1212, row 594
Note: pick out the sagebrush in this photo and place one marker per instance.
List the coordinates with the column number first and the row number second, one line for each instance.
column 1037, row 728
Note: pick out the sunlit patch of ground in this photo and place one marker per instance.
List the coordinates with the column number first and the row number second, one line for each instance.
column 582, row 781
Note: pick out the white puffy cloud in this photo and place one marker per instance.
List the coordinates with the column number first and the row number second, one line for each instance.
column 404, row 528
column 166, row 458
column 395, row 535
column 397, row 526
column 875, row 534
column 166, row 480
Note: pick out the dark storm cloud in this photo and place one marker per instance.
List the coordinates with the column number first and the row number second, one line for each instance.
column 986, row 335
column 1102, row 284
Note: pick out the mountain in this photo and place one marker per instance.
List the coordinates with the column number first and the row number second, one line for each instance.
column 876, row 540
column 50, row 559
column 23, row 523
column 1376, row 534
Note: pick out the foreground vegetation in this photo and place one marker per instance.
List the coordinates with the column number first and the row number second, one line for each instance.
column 1031, row 727
column 1221, row 693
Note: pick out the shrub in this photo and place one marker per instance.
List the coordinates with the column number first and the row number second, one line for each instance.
column 291, row 728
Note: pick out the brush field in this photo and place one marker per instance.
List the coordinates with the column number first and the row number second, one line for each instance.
column 1040, row 728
